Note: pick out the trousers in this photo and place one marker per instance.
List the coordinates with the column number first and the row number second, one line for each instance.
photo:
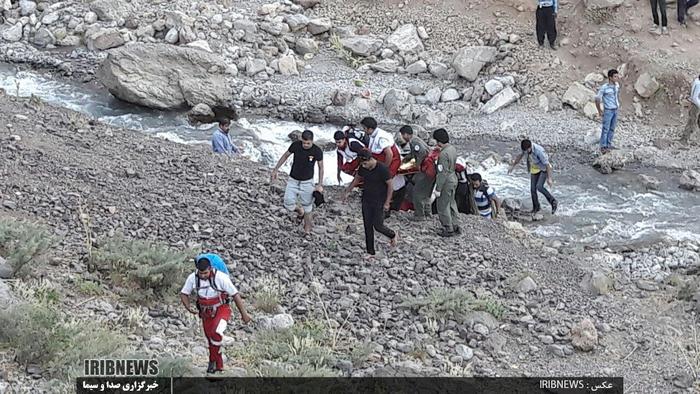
column 608, row 129
column 373, row 219
column 447, row 206
column 545, row 24
column 214, row 334
column 656, row 6
column 421, row 194
column 682, row 8
column 537, row 185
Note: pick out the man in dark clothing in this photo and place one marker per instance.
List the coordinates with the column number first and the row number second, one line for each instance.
column 546, row 21
column 682, row 9
column 301, row 179
column 659, row 6
column 376, row 198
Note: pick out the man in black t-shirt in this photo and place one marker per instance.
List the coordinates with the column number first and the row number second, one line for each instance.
column 300, row 185
column 376, row 198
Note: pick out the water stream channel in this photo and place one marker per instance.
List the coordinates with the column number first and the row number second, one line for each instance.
column 594, row 210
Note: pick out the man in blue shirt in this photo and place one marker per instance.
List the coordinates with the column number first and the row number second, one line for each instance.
column 546, row 21
column 540, row 170
column 221, row 140
column 609, row 95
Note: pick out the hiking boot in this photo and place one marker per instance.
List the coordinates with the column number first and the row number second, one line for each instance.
column 457, row 230
column 443, row 232
column 553, row 46
column 555, row 205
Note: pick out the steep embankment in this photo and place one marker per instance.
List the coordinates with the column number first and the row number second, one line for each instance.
column 491, row 320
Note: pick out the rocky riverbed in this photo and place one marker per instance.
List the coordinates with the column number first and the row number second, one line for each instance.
column 146, row 188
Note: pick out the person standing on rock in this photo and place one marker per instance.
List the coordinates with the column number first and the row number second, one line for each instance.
column 221, row 140
column 682, row 9
column 423, row 185
column 347, row 148
column 656, row 7
column 540, row 170
column 546, row 22
column 693, row 126
column 609, row 95
column 213, row 290
column 377, row 191
column 300, row 185
column 446, row 185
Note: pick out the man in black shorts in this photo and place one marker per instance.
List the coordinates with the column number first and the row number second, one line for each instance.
column 376, row 198
column 300, row 185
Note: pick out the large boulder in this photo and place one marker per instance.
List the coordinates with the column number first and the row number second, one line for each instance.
column 577, row 96
column 503, row 99
column 614, row 160
column 135, row 73
column 13, row 33
column 288, row 65
column 406, row 40
column 110, row 10
column 690, row 180
column 549, row 102
column 362, row 45
column 468, row 61
column 319, row 26
column 646, row 85
column 594, row 5
column 385, row 66
column 396, row 101
column 100, row 39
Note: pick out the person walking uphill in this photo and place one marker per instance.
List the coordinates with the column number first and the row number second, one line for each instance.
column 376, row 198
column 423, row 184
column 546, row 22
column 609, row 95
column 221, row 140
column 213, row 290
column 300, row 185
column 540, row 170
column 693, row 126
column 446, row 184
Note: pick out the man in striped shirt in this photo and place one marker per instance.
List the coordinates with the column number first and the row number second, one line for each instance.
column 485, row 197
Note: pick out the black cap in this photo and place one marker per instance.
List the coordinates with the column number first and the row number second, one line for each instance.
column 203, row 264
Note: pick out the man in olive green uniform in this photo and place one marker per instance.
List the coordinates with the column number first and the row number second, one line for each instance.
column 446, row 184
column 422, row 184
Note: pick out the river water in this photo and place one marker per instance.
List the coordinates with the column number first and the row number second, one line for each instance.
column 593, row 210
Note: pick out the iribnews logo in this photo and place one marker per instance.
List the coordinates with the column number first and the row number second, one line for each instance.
column 121, row 367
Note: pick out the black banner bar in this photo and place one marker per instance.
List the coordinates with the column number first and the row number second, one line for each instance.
column 216, row 385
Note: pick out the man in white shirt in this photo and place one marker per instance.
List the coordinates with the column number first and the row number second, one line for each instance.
column 693, row 126
column 213, row 290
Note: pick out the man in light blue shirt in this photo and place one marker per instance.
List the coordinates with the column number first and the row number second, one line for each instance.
column 546, row 21
column 540, row 171
column 609, row 95
column 221, row 140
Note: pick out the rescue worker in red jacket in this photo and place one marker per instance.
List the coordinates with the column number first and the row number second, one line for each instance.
column 214, row 290
column 382, row 145
column 348, row 148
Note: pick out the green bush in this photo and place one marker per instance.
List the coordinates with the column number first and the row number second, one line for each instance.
column 154, row 269
column 453, row 303
column 297, row 371
column 175, row 367
column 23, row 242
column 267, row 295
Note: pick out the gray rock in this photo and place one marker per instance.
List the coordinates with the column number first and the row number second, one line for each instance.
column 44, row 38
column 385, row 66
column 50, row 18
column 255, row 66
column 439, row 70
column 5, row 272
column 297, row 22
column 134, row 74
column 27, row 7
column 450, row 94
column 396, row 100
column 13, row 33
column 319, row 26
column 481, row 329
column 503, row 99
column 550, row 102
column 172, row 36
column 546, row 339
column 417, row 67
column 690, row 180
column 649, row 182
column 362, row 45
column 100, row 39
column 201, row 45
column 594, row 5
column 308, row 3
column 577, row 96
column 469, row 61
column 557, row 350
column 201, row 113
column 493, row 87
column 341, row 98
column 614, row 160
column 597, row 283
column 90, row 17
column 584, row 336
column 245, row 25
column 282, row 321
column 465, row 352
column 646, row 85
column 433, row 95
column 405, row 40
column 288, row 65
column 306, row 45
column 526, row 285
column 109, row 10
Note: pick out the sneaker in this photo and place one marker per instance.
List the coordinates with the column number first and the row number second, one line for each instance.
column 212, row 367
column 443, row 232
column 664, row 30
column 554, row 47
column 555, row 205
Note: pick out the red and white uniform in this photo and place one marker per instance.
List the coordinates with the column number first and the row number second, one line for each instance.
column 380, row 140
column 214, row 313
column 347, row 157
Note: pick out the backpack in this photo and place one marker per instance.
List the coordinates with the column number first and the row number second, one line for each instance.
column 429, row 165
column 216, row 261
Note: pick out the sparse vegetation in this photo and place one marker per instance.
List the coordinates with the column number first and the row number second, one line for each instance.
column 267, row 296
column 360, row 353
column 298, row 371
column 21, row 243
column 175, row 367
column 89, row 288
column 152, row 269
column 352, row 60
column 453, row 303
column 690, row 350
